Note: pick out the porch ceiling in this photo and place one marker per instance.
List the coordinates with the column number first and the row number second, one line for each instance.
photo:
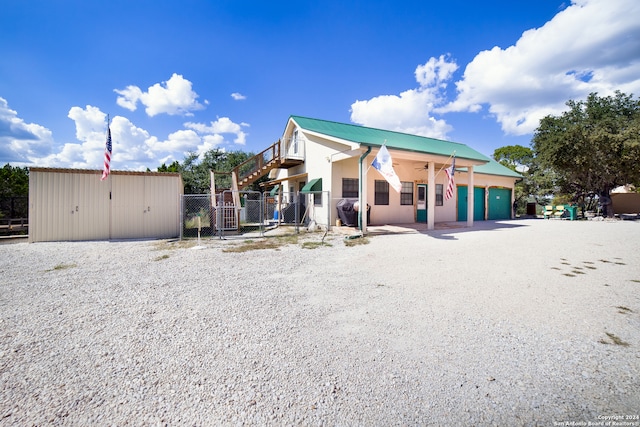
column 279, row 180
column 420, row 159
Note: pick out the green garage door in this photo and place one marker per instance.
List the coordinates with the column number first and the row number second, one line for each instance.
column 499, row 203
column 478, row 203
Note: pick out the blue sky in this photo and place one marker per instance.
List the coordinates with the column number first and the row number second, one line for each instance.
column 188, row 76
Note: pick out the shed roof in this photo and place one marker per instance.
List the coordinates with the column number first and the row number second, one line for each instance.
column 394, row 140
column 99, row 172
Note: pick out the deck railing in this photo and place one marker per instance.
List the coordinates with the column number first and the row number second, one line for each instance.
column 258, row 163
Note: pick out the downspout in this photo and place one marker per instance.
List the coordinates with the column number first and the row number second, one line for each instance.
column 362, row 207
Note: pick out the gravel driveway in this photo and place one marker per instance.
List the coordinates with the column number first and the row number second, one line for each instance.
column 528, row 322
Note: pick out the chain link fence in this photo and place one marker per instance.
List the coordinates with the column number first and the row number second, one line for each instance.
column 299, row 209
column 197, row 216
column 257, row 213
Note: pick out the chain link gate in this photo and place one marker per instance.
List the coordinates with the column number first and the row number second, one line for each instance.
column 248, row 216
column 298, row 209
column 203, row 217
column 197, row 216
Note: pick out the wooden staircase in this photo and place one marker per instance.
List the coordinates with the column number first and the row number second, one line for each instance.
column 251, row 170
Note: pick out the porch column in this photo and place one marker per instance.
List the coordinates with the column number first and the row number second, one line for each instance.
column 470, row 202
column 365, row 201
column 431, row 197
column 362, row 192
column 513, row 201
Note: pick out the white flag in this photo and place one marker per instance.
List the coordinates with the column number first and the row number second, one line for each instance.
column 384, row 165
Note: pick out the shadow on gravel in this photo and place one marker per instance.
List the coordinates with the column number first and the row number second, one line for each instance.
column 444, row 230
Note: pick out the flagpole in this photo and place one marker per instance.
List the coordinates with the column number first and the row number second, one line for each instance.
column 445, row 163
column 110, row 182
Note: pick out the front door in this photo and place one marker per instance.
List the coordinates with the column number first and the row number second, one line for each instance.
column 421, row 206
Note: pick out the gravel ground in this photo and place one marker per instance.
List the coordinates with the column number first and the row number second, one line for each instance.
column 528, row 322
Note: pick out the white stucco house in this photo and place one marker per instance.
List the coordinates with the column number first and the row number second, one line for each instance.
column 317, row 155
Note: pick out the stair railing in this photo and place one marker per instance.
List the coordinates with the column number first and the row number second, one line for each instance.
column 256, row 165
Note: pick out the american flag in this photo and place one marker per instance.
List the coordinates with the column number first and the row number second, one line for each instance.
column 452, row 185
column 107, row 156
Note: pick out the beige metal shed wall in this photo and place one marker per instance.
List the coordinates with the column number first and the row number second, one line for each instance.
column 162, row 206
column 145, row 206
column 67, row 205
column 127, row 201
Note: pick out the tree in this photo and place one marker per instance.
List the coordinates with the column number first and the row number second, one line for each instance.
column 14, row 191
column 537, row 182
column 196, row 172
column 173, row 167
column 592, row 148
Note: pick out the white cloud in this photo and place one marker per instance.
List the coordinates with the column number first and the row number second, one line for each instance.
column 134, row 148
column 591, row 46
column 411, row 111
column 182, row 141
column 223, row 125
column 20, row 142
column 129, row 97
column 91, row 129
column 90, row 122
column 173, row 97
column 238, row 96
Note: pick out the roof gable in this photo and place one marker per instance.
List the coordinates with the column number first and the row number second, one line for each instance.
column 395, row 140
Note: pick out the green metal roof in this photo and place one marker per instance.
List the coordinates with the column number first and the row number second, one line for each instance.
column 313, row 185
column 394, row 140
column 494, row 168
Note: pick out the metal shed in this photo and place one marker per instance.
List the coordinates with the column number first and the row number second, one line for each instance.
column 73, row 204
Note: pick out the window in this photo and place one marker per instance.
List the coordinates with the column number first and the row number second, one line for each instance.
column 295, row 141
column 406, row 194
column 349, row 188
column 382, row 193
column 439, row 194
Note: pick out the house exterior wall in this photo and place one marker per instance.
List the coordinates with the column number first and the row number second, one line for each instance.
column 318, row 164
column 487, row 182
column 394, row 212
column 325, row 158
column 68, row 205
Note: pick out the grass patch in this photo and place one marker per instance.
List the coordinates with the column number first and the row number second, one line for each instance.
column 577, row 271
column 161, row 257
column 314, row 245
column 356, row 242
column 174, row 244
column 62, row 267
column 569, row 275
column 590, row 267
column 624, row 310
column 635, row 281
column 266, row 243
column 616, row 340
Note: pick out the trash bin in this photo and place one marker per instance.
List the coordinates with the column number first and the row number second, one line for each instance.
column 573, row 212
